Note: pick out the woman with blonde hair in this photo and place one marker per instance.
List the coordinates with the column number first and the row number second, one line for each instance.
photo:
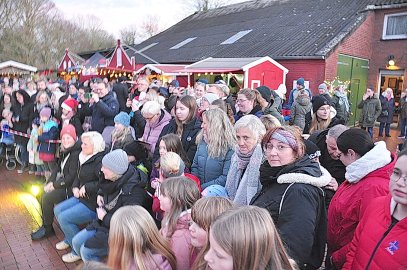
column 386, row 116
column 203, row 214
column 135, row 243
column 270, row 121
column 248, row 103
column 216, row 143
column 121, row 134
column 178, row 195
column 322, row 117
column 259, row 247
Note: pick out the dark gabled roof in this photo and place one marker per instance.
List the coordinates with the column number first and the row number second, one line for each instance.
column 96, row 59
column 280, row 29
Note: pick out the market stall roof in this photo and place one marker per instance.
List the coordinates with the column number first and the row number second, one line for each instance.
column 228, row 64
column 163, row 68
column 95, row 60
column 70, row 61
column 14, row 67
column 120, row 60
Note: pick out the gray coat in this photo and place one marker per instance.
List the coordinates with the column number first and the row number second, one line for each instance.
column 371, row 109
column 301, row 106
column 387, row 106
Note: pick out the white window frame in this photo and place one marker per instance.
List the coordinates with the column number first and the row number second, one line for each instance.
column 387, row 37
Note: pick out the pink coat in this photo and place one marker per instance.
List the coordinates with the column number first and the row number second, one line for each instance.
column 158, row 263
column 181, row 241
column 152, row 131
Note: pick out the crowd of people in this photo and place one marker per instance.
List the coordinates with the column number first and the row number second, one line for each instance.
column 166, row 177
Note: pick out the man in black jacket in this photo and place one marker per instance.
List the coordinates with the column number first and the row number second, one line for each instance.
column 122, row 92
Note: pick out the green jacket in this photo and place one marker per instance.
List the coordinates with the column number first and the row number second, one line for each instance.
column 371, row 109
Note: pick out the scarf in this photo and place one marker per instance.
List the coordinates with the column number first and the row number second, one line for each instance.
column 376, row 158
column 242, row 188
column 343, row 99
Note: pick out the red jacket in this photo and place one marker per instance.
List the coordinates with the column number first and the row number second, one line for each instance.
column 347, row 207
column 391, row 251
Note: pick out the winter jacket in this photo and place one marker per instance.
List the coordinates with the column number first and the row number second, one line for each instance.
column 367, row 178
column 295, row 200
column 152, row 131
column 403, row 107
column 32, row 146
column 122, row 92
column 157, row 263
column 138, row 122
column 255, row 111
column 181, row 241
column 378, row 244
column 387, row 106
column 64, row 178
column 294, row 94
column 273, row 109
column 103, row 112
column 22, row 115
column 210, row 170
column 339, row 105
column 127, row 190
column 301, row 106
column 88, row 176
column 188, row 136
column 371, row 109
column 49, row 132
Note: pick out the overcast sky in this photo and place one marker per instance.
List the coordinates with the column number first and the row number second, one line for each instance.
column 117, row 14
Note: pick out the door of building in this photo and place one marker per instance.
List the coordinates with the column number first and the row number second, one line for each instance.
column 354, row 71
column 393, row 79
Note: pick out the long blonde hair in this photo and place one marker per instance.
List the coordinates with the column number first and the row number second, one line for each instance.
column 221, row 135
column 319, row 124
column 183, row 193
column 259, row 247
column 134, row 238
column 203, row 213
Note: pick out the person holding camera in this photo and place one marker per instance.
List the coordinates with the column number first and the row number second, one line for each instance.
column 371, row 109
column 386, row 117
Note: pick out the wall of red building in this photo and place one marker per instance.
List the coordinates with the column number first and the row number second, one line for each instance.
column 310, row 70
column 267, row 73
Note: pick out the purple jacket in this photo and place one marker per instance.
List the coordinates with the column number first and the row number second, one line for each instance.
column 152, row 131
column 158, row 262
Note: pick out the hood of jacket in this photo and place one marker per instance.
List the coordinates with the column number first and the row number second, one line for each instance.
column 302, row 178
column 304, row 165
column 374, row 160
column 125, row 183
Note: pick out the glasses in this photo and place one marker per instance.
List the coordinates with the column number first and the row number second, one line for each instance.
column 396, row 176
column 279, row 148
column 241, row 100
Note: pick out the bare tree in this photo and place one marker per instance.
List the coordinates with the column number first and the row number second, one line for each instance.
column 204, row 5
column 150, row 26
column 129, row 35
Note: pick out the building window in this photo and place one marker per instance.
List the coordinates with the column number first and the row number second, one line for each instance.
column 182, row 43
column 236, row 37
column 395, row 26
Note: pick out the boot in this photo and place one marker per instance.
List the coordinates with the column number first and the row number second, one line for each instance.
column 42, row 232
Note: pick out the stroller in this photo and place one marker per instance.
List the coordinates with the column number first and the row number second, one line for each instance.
column 8, row 149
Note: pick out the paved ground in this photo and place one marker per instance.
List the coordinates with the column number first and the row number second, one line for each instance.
column 19, row 215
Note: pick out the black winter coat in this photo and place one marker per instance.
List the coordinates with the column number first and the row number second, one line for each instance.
column 132, row 184
column 104, row 112
column 24, row 115
column 188, row 136
column 122, row 93
column 388, row 106
column 88, row 176
column 301, row 221
column 65, row 178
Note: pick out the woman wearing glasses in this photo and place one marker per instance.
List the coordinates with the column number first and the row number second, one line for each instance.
column 384, row 227
column 291, row 192
column 248, row 103
column 368, row 167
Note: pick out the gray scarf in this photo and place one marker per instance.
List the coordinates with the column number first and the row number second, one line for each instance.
column 343, row 99
column 242, row 188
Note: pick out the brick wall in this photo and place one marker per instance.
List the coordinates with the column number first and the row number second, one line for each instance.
column 310, row 70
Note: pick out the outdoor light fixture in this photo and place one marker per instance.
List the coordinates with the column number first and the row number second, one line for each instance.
column 35, row 190
column 391, row 61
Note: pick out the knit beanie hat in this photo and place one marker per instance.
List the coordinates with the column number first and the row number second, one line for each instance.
column 312, row 149
column 301, row 81
column 318, row 102
column 116, row 161
column 45, row 112
column 215, row 191
column 69, row 104
column 137, row 150
column 210, row 97
column 323, row 86
column 265, row 92
column 70, row 130
column 37, row 121
column 122, row 118
column 174, row 83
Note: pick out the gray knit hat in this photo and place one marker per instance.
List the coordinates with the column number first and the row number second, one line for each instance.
column 116, row 161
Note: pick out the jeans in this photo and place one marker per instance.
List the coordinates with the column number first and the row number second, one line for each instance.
column 370, row 130
column 24, row 154
column 71, row 213
column 47, row 204
column 403, row 126
column 385, row 126
column 87, row 254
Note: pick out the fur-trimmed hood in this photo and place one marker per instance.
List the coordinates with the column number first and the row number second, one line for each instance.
column 320, row 181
